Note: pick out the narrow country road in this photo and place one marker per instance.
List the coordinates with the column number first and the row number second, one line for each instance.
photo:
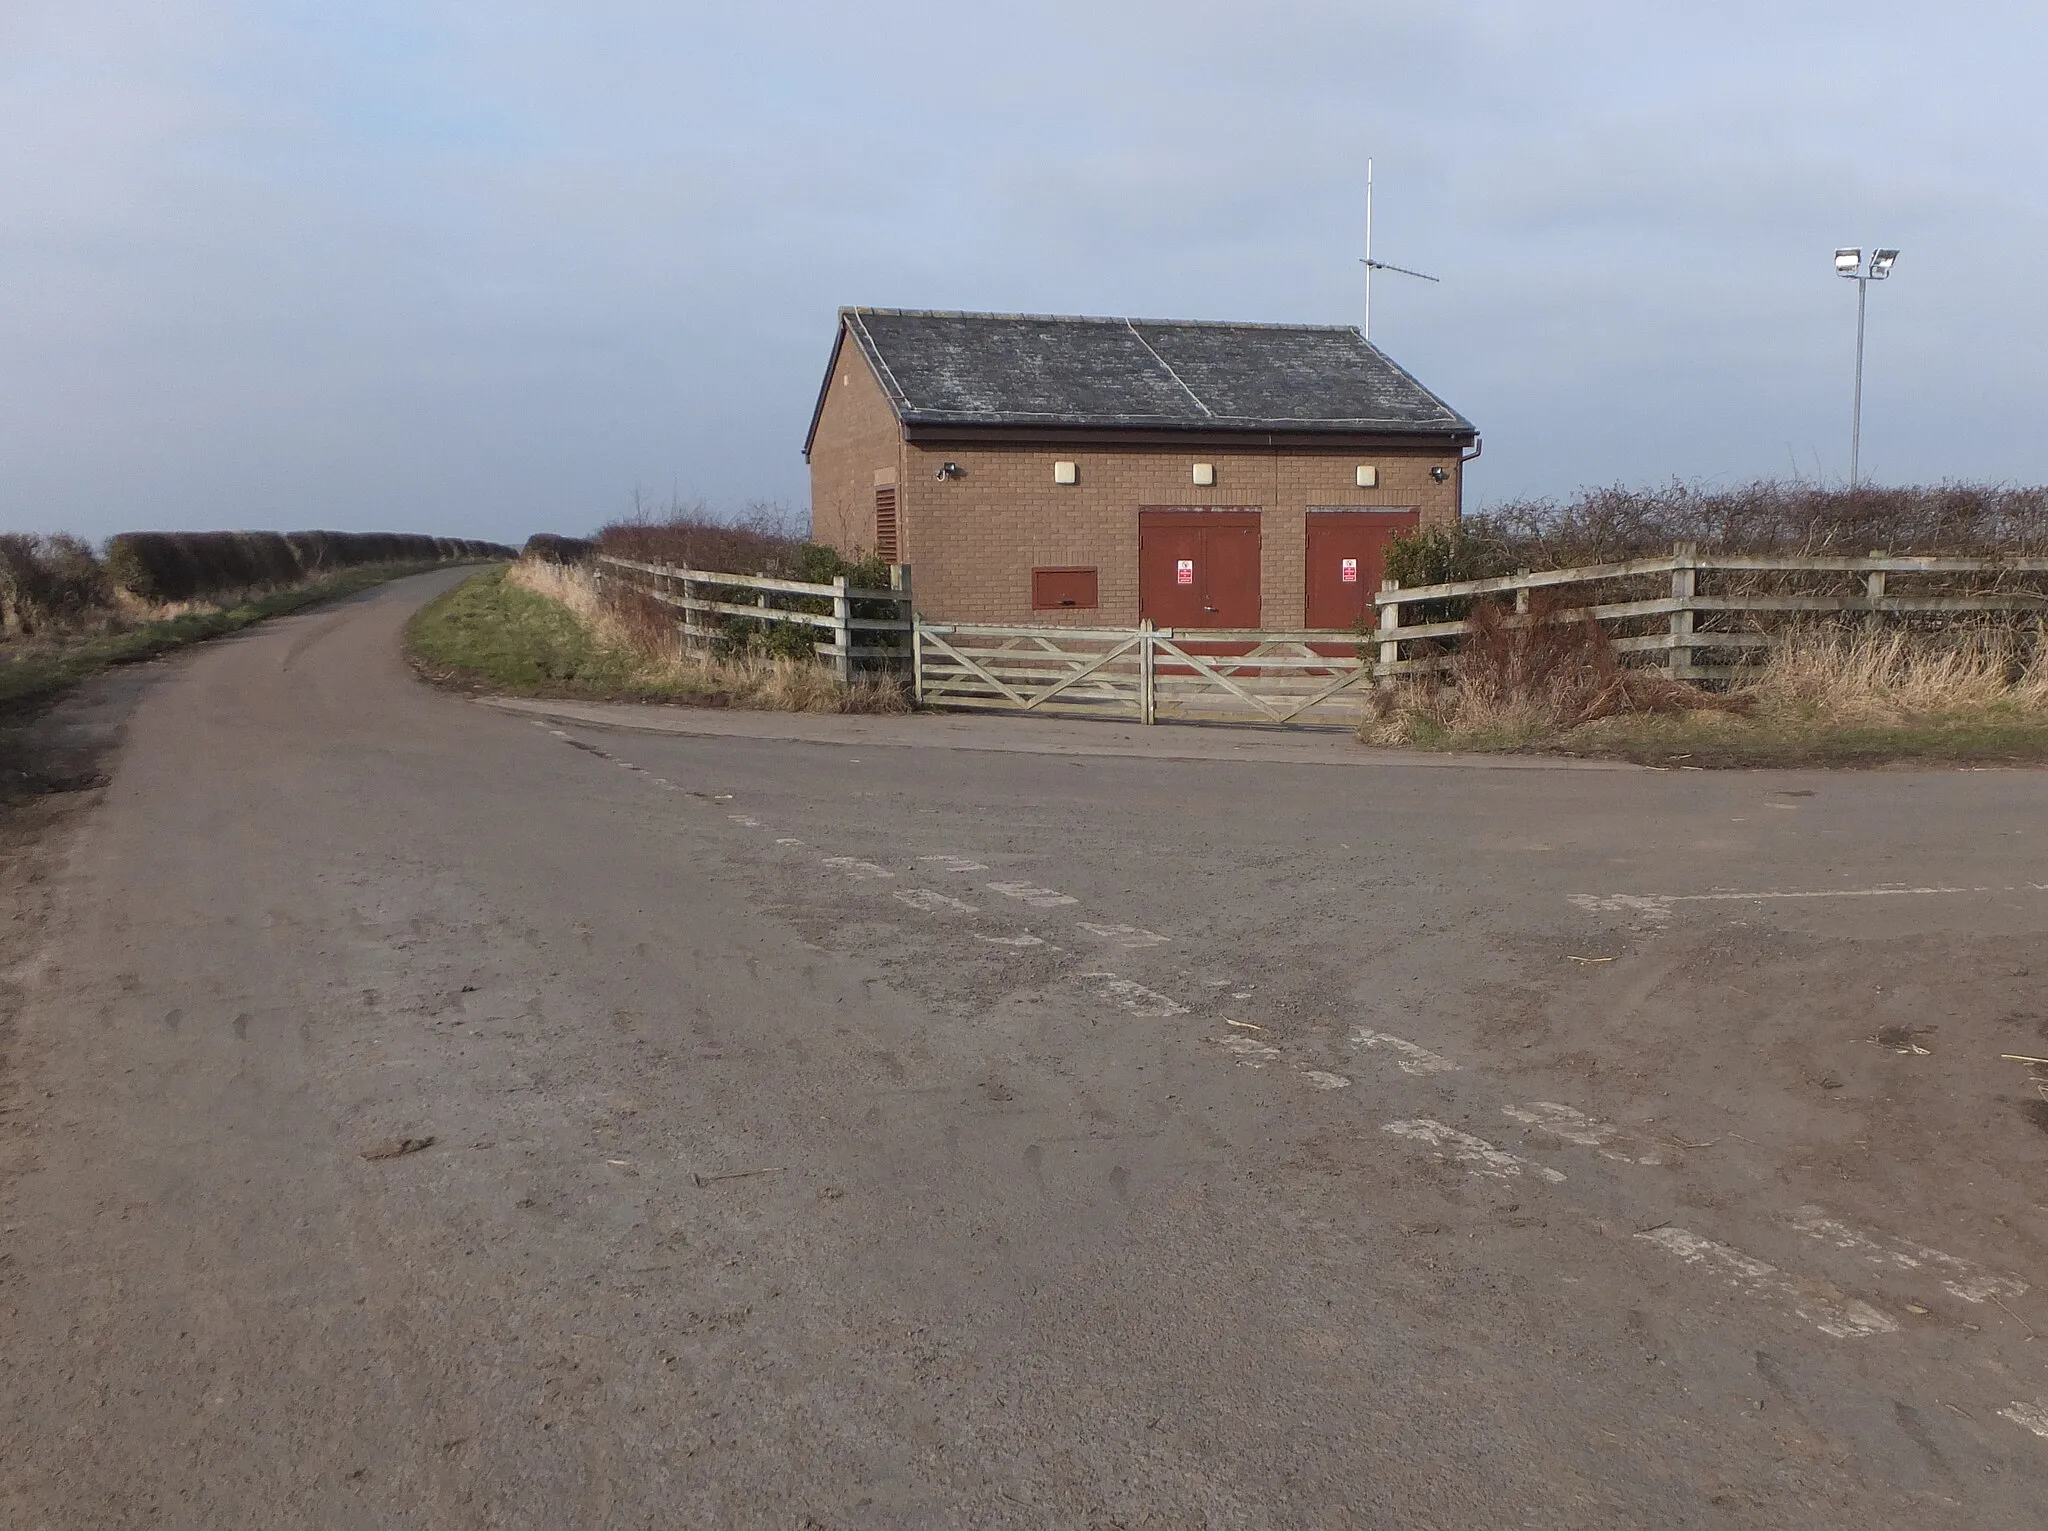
column 891, row 1135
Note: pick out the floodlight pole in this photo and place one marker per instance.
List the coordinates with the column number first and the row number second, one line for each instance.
column 1856, row 420
column 1849, row 262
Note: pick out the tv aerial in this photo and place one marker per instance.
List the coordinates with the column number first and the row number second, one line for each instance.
column 1372, row 265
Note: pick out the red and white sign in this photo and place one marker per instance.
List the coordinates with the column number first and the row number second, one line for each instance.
column 1350, row 571
column 1184, row 571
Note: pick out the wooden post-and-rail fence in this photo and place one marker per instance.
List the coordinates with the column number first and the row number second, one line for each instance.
column 1713, row 612
column 704, row 595
column 1734, row 624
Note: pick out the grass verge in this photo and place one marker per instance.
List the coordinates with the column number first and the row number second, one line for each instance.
column 35, row 671
column 1824, row 696
column 1982, row 735
column 488, row 634
column 539, row 630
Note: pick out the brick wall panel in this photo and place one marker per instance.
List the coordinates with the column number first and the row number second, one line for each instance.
column 974, row 540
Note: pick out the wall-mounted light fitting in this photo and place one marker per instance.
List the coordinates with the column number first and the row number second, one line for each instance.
column 1439, row 473
column 1065, row 473
column 949, row 470
column 1368, row 476
column 1205, row 474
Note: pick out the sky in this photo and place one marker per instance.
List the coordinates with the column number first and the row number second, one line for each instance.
column 483, row 269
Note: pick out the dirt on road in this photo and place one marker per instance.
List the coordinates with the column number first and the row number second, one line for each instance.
column 422, row 1113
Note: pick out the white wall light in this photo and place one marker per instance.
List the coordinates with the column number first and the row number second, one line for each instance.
column 1065, row 473
column 1205, row 474
column 1368, row 476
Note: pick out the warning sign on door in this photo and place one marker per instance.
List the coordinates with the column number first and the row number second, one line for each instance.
column 1184, row 571
column 1350, row 571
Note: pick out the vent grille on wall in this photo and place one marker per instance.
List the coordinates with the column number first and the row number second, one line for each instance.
column 886, row 546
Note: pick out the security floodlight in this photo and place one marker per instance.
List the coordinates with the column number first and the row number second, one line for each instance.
column 1848, row 262
column 1881, row 262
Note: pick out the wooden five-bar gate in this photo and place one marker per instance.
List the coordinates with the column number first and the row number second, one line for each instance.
column 1149, row 674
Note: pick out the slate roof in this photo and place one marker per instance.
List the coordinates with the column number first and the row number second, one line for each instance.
column 1150, row 374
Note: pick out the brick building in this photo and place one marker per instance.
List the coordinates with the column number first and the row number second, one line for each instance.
column 1096, row 471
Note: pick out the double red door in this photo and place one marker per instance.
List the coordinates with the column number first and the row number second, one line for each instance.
column 1199, row 568
column 1346, row 559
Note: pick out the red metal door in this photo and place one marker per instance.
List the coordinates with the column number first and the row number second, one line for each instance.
column 1346, row 559
column 1199, row 568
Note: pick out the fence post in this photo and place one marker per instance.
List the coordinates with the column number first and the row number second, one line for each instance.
column 1148, row 711
column 1389, row 621
column 842, row 628
column 1873, row 589
column 899, row 581
column 1684, row 586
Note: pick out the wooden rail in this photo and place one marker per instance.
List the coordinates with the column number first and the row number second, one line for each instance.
column 684, row 589
column 1684, row 639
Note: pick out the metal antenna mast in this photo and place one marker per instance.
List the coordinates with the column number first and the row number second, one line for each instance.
column 1372, row 265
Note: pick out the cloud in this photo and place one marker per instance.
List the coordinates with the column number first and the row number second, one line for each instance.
column 484, row 269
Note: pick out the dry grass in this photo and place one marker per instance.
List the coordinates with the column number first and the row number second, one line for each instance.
column 1828, row 694
column 643, row 634
column 1893, row 676
column 1513, row 685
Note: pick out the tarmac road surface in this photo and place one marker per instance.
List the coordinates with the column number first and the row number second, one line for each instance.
column 428, row 1114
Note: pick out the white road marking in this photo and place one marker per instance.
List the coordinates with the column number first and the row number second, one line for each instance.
column 1562, row 1121
column 1036, row 897
column 1407, row 1056
column 1656, row 908
column 1849, row 1319
column 1136, row 998
column 1323, row 1079
column 1012, row 940
column 1656, row 911
column 741, row 818
column 789, row 840
column 2030, row 1416
column 1478, row 1155
column 1963, row 1279
column 954, row 863
column 1251, row 1052
column 1130, row 937
column 931, row 902
column 858, row 870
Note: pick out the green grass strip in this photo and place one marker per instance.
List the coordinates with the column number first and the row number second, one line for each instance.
column 492, row 635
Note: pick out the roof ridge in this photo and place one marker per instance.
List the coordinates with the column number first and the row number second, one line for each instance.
column 853, row 310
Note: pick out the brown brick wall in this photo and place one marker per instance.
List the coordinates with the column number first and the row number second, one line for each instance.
column 857, row 438
column 973, row 541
